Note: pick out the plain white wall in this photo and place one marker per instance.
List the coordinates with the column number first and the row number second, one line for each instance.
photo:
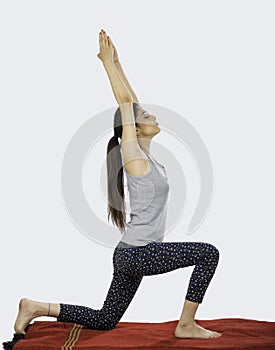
column 211, row 59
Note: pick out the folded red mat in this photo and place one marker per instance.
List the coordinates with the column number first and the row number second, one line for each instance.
column 237, row 334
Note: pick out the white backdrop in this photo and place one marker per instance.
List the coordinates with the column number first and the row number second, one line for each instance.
column 211, row 60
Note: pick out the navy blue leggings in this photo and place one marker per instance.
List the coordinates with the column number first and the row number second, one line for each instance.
column 131, row 264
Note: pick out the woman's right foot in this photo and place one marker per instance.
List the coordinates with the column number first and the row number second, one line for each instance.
column 26, row 312
column 193, row 330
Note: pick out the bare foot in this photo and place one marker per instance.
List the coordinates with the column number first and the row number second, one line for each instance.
column 195, row 331
column 25, row 314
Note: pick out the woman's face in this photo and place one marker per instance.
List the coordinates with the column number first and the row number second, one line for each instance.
column 147, row 124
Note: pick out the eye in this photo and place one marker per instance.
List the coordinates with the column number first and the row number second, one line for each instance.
column 146, row 115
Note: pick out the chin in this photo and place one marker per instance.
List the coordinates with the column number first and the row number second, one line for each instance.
column 157, row 131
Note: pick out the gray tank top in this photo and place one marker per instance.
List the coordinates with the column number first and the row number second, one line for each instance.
column 148, row 201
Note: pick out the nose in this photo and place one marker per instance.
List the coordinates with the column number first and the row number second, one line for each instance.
column 156, row 121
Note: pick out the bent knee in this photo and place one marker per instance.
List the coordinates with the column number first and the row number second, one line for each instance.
column 212, row 250
column 110, row 325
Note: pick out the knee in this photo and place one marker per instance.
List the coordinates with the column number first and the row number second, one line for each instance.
column 108, row 322
column 108, row 317
column 213, row 251
column 108, row 326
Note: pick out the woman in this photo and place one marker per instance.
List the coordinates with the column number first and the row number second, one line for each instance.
column 141, row 251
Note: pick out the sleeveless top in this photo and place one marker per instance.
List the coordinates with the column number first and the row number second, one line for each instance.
column 148, row 201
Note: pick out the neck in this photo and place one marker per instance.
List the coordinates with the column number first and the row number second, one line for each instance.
column 145, row 149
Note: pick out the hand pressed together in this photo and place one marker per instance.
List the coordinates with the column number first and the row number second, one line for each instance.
column 108, row 51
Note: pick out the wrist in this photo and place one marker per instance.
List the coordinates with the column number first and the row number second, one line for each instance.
column 108, row 62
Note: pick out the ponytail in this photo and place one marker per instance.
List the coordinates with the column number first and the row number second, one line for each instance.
column 115, row 174
column 116, row 201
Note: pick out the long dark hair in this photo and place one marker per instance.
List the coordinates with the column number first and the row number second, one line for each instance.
column 115, row 173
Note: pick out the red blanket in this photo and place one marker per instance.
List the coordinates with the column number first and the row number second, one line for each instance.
column 237, row 334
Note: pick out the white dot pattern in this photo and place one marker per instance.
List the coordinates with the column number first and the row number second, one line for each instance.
column 134, row 262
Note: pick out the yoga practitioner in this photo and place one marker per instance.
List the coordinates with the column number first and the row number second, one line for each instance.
column 141, row 251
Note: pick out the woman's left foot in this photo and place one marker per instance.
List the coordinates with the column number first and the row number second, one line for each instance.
column 26, row 313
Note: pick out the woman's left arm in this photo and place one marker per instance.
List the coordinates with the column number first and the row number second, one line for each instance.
column 121, row 72
column 123, row 77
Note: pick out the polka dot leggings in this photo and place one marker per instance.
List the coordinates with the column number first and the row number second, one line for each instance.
column 131, row 263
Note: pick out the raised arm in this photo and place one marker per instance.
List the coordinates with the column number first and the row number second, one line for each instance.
column 129, row 143
column 120, row 70
column 121, row 93
column 122, row 74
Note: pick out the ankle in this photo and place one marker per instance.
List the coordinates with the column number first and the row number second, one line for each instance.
column 186, row 323
column 40, row 309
